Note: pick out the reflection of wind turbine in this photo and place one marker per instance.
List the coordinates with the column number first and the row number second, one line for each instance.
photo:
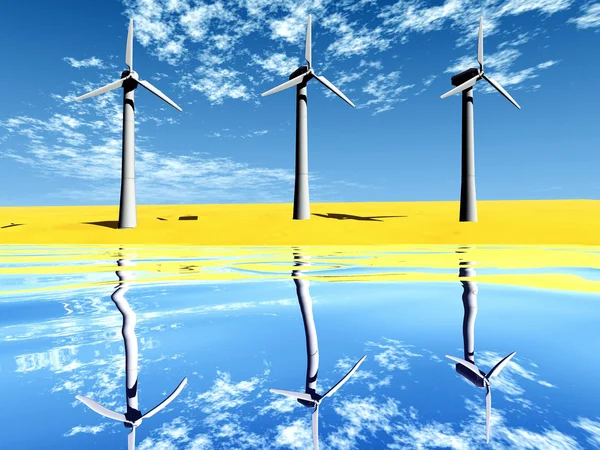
column 466, row 367
column 129, row 81
column 310, row 397
column 133, row 417
column 300, row 77
column 464, row 83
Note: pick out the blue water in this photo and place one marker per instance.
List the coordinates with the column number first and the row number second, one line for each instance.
column 236, row 339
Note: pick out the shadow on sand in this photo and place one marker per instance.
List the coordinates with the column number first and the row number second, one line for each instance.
column 114, row 224
column 13, row 225
column 351, row 217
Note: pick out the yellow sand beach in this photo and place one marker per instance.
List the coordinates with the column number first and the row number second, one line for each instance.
column 547, row 222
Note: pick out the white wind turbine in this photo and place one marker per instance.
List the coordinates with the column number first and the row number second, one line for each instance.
column 310, row 398
column 129, row 81
column 464, row 83
column 299, row 78
column 467, row 367
column 133, row 417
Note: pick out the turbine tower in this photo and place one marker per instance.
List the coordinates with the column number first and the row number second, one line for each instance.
column 466, row 367
column 299, row 78
column 310, row 398
column 464, row 83
column 129, row 81
column 133, row 417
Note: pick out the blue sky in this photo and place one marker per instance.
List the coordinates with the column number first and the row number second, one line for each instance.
column 230, row 145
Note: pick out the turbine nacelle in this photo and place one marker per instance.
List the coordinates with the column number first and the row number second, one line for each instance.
column 302, row 70
column 466, row 75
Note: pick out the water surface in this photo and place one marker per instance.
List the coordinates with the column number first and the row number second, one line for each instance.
column 233, row 322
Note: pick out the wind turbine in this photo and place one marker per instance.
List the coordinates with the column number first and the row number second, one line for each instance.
column 299, row 78
column 310, row 398
column 133, row 417
column 464, row 83
column 129, row 81
column 466, row 367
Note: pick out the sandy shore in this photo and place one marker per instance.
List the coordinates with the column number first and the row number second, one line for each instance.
column 557, row 222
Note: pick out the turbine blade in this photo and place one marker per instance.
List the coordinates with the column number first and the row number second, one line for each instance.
column 129, row 48
column 308, row 53
column 287, row 84
column 109, row 87
column 467, row 84
column 501, row 364
column 300, row 395
column 131, row 440
column 472, row 367
column 488, row 412
column 501, row 90
column 167, row 400
column 159, row 94
column 315, row 427
column 346, row 378
column 333, row 89
column 98, row 408
column 480, row 45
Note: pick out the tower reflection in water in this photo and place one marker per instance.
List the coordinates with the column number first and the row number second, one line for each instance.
column 310, row 398
column 466, row 367
column 133, row 417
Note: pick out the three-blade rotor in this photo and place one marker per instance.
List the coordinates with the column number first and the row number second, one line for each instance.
column 132, row 75
column 315, row 399
column 309, row 74
column 485, row 378
column 481, row 74
column 98, row 408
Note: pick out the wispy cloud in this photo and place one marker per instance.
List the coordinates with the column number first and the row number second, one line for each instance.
column 88, row 429
column 85, row 63
column 278, row 63
column 219, row 84
column 386, row 90
column 589, row 18
column 395, row 355
column 352, row 40
column 592, row 427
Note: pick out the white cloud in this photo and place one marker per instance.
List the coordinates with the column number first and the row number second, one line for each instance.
column 224, row 394
column 590, row 17
column 395, row 356
column 281, row 404
column 278, row 63
column 86, row 429
column 363, row 414
column 351, row 41
column 592, row 427
column 291, row 28
column 296, row 435
column 85, row 63
column 219, row 84
column 196, row 21
column 387, row 91
column 417, row 16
